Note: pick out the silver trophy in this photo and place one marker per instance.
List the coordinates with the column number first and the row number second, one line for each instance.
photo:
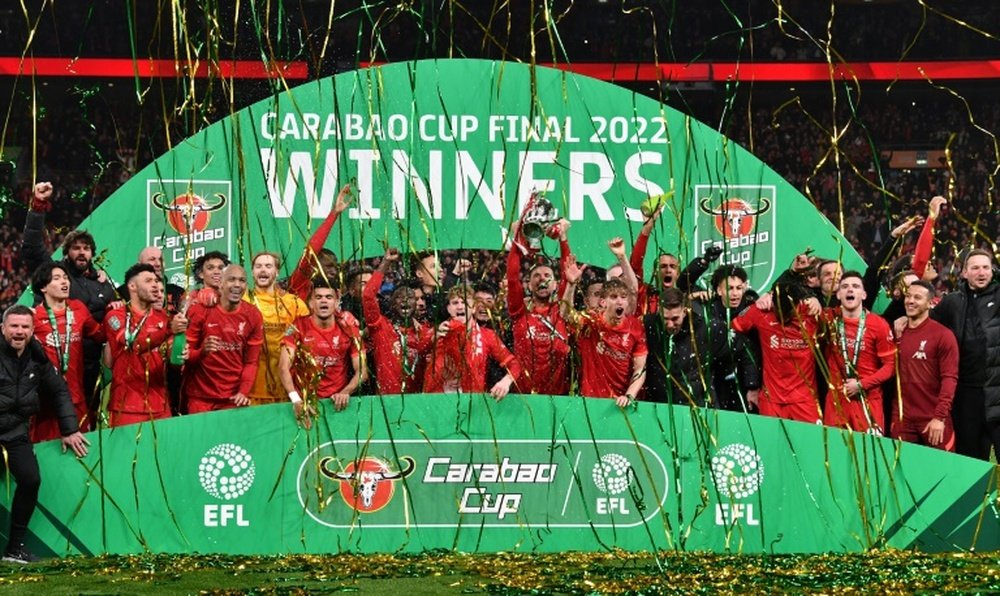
column 537, row 220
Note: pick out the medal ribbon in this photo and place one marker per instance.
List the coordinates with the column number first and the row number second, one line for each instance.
column 132, row 333
column 851, row 364
column 404, row 353
column 62, row 349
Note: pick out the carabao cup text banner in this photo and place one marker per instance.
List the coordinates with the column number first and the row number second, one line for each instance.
column 443, row 154
column 532, row 473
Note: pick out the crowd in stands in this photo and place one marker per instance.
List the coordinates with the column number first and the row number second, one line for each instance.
column 582, row 31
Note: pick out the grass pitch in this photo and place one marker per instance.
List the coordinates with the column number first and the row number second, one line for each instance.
column 438, row 573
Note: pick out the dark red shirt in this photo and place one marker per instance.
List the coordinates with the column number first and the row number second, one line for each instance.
column 928, row 371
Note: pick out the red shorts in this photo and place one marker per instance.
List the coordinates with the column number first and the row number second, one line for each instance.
column 123, row 418
column 196, row 405
column 803, row 411
column 912, row 431
column 850, row 413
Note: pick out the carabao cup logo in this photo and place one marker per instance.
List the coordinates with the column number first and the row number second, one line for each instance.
column 226, row 471
column 188, row 213
column 366, row 485
column 613, row 474
column 735, row 218
column 737, row 471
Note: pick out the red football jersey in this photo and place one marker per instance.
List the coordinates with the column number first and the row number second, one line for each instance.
column 395, row 371
column 872, row 365
column 928, row 372
column 458, row 360
column 606, row 354
column 64, row 349
column 223, row 373
column 324, row 353
column 787, row 350
column 541, row 336
column 138, row 368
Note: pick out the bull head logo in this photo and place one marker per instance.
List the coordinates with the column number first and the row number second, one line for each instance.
column 734, row 217
column 188, row 212
column 369, row 481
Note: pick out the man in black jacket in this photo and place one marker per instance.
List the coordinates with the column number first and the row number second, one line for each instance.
column 24, row 371
column 737, row 377
column 973, row 314
column 683, row 353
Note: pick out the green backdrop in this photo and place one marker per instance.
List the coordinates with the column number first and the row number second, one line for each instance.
column 443, row 154
column 531, row 473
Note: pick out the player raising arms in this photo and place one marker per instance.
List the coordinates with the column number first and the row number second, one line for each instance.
column 315, row 256
column 541, row 338
column 612, row 343
column 399, row 340
column 321, row 353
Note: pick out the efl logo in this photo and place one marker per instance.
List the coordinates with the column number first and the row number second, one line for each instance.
column 739, row 218
column 738, row 473
column 186, row 219
column 226, row 472
column 366, row 485
column 612, row 476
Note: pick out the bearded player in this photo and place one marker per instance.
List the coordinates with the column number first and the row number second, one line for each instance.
column 541, row 338
column 400, row 341
column 138, row 334
column 860, row 356
column 321, row 353
column 224, row 344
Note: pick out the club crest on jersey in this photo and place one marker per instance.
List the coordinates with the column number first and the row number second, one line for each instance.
column 920, row 354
